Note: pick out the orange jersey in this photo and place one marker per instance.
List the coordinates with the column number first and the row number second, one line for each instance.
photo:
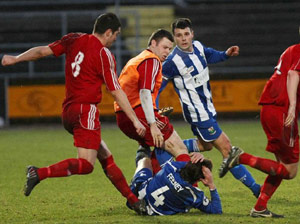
column 130, row 79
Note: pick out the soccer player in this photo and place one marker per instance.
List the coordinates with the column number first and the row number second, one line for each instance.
column 141, row 79
column 187, row 68
column 171, row 190
column 89, row 64
column 279, row 118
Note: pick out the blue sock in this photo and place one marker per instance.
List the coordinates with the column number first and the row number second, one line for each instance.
column 191, row 144
column 162, row 156
column 242, row 174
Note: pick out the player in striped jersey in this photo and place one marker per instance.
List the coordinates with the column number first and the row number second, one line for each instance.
column 89, row 64
column 187, row 68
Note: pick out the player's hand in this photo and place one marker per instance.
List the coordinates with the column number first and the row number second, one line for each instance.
column 233, row 51
column 290, row 116
column 166, row 111
column 8, row 60
column 157, row 136
column 140, row 129
column 196, row 157
column 208, row 180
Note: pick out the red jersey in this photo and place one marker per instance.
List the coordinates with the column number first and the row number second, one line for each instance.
column 88, row 65
column 141, row 72
column 275, row 91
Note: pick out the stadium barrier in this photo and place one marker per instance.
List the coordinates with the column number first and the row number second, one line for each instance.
column 45, row 100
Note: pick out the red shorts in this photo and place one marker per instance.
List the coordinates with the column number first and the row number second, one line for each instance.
column 82, row 121
column 128, row 129
column 282, row 141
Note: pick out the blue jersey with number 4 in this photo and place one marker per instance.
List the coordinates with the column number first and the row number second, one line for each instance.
column 167, row 193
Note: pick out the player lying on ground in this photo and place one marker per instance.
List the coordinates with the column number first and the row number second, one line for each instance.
column 171, row 190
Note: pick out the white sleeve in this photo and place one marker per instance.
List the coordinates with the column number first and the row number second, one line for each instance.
column 147, row 105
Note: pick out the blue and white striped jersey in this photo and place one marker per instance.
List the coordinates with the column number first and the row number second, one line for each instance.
column 190, row 76
column 167, row 193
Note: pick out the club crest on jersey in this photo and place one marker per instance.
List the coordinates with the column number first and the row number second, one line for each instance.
column 211, row 131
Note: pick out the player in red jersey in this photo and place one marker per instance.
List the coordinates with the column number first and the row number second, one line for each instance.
column 89, row 64
column 280, row 102
column 141, row 79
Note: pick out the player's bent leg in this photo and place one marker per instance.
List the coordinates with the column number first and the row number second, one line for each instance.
column 267, row 166
column 88, row 154
column 175, row 146
column 242, row 174
column 222, row 143
column 239, row 172
column 203, row 145
column 292, row 169
column 103, row 152
column 142, row 163
column 142, row 173
column 269, row 187
column 115, row 175
column 63, row 168
column 197, row 145
column 142, row 152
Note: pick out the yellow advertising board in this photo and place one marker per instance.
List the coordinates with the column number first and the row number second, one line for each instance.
column 46, row 100
column 228, row 95
column 237, row 95
column 35, row 101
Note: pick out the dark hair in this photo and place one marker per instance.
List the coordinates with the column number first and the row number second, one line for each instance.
column 160, row 34
column 192, row 172
column 106, row 21
column 181, row 23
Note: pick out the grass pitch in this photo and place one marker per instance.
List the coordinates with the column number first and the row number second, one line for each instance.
column 93, row 199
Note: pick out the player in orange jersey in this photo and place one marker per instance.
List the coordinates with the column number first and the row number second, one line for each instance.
column 141, row 79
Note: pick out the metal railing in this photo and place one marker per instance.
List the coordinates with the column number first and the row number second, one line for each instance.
column 119, row 48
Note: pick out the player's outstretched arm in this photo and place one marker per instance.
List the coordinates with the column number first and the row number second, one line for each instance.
column 233, row 51
column 29, row 55
column 121, row 98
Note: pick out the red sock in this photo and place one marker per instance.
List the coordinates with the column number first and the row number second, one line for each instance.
column 265, row 165
column 183, row 158
column 267, row 190
column 155, row 164
column 117, row 178
column 66, row 168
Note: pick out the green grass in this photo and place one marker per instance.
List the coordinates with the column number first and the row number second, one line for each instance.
column 92, row 198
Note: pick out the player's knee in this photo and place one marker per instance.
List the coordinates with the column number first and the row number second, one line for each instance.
column 85, row 167
column 292, row 174
column 207, row 147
